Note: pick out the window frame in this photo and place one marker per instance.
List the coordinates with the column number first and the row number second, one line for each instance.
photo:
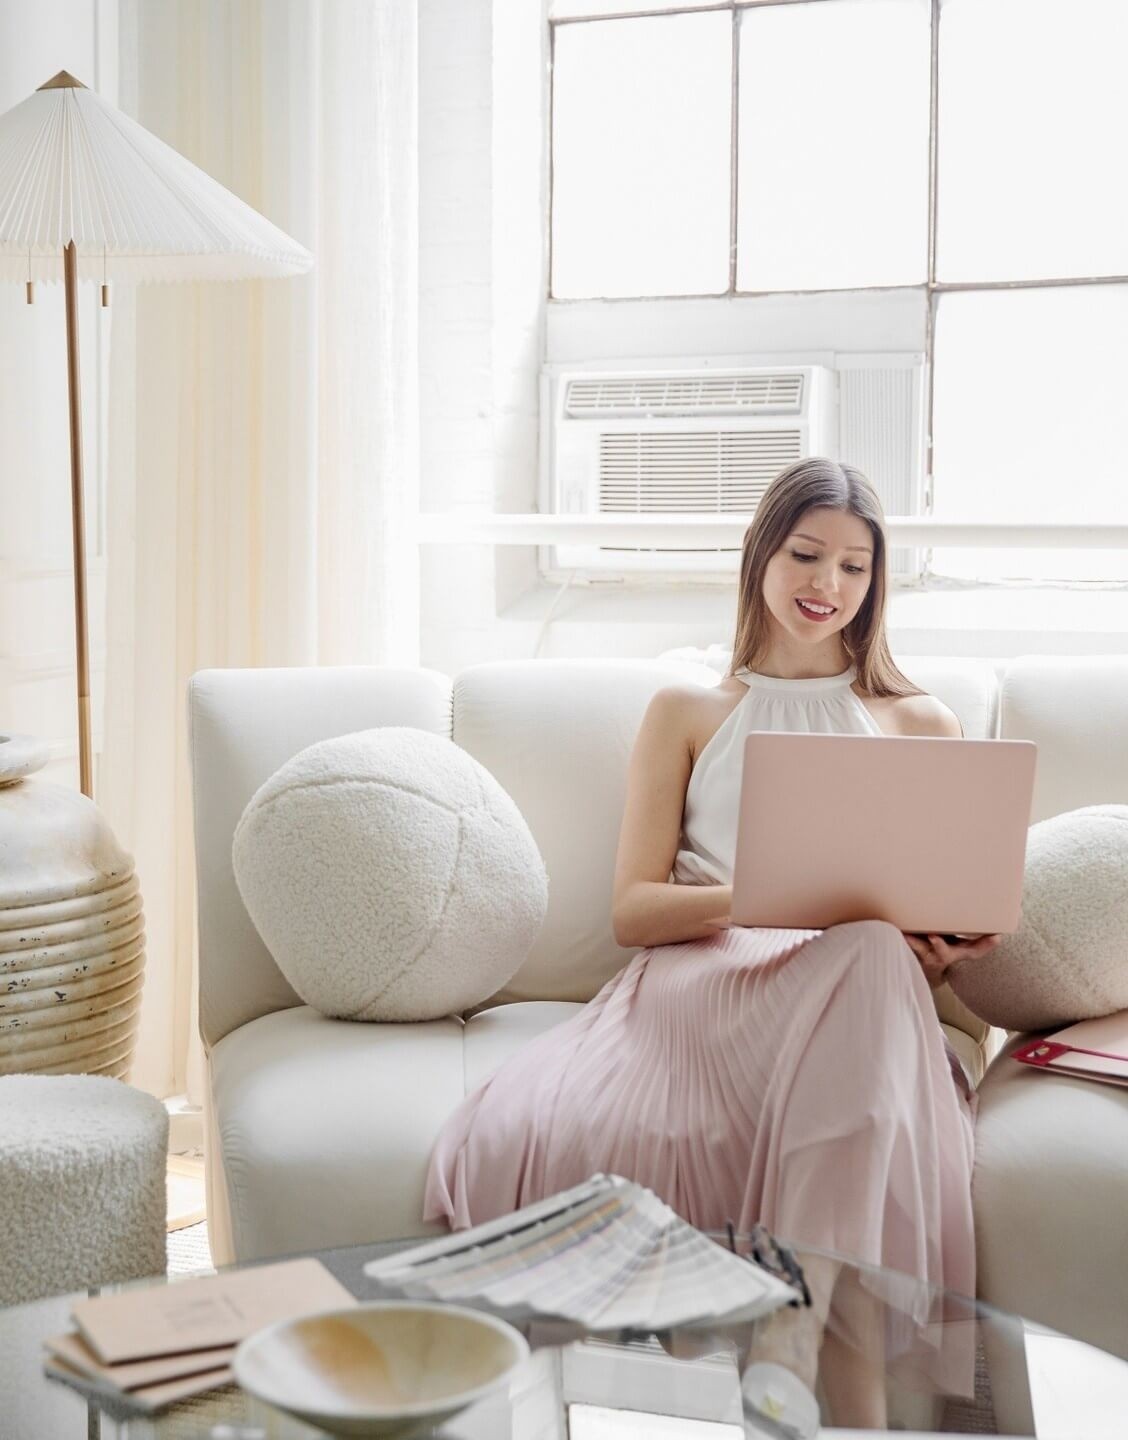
column 931, row 287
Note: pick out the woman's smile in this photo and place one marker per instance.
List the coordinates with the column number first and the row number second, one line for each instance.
column 816, row 610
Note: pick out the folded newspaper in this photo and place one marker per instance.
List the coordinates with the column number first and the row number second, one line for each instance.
column 607, row 1254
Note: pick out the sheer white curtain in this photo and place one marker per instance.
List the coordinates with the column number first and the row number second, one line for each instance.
column 263, row 435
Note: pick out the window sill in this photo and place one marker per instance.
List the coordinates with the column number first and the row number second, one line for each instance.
column 947, row 618
column 970, row 619
column 468, row 527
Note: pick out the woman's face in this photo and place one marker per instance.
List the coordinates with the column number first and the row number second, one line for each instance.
column 816, row 581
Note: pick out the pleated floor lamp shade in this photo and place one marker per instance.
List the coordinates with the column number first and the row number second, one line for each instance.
column 85, row 191
column 72, row 167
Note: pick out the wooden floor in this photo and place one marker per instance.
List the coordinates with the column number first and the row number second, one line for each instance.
column 185, row 1191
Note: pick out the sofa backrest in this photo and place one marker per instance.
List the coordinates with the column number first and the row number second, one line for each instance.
column 1076, row 708
column 557, row 735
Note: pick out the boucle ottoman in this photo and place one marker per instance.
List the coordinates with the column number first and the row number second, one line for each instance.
column 82, row 1184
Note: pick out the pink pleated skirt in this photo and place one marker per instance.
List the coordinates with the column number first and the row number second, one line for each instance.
column 795, row 1078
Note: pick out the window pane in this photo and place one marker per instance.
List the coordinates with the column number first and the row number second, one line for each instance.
column 1033, row 122
column 833, row 187
column 1030, row 422
column 641, row 146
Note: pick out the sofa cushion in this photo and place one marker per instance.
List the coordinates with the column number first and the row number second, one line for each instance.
column 1066, row 961
column 390, row 875
column 493, row 1035
column 326, row 1127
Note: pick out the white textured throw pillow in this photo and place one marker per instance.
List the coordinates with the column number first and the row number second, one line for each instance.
column 1069, row 959
column 390, row 876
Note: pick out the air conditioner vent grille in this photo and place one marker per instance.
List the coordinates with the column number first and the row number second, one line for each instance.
column 764, row 393
column 702, row 472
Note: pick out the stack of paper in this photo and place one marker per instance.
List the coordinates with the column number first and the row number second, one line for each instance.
column 608, row 1255
column 151, row 1346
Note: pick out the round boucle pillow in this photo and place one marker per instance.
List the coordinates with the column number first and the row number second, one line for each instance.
column 1069, row 959
column 390, row 876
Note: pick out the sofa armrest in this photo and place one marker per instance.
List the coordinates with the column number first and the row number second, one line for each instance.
column 1049, row 1187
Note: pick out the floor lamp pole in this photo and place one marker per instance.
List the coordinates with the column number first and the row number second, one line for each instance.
column 78, row 522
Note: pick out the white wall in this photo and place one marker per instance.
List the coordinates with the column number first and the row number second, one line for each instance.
column 482, row 278
column 887, row 320
column 455, row 303
column 37, row 674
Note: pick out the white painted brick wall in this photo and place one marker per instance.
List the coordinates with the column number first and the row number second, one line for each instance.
column 482, row 286
column 455, row 260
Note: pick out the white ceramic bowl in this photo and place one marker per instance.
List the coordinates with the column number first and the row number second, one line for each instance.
column 390, row 1367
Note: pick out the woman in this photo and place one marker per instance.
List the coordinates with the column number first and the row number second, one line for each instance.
column 796, row 1078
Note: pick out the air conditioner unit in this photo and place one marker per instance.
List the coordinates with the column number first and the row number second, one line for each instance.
column 684, row 437
column 673, row 441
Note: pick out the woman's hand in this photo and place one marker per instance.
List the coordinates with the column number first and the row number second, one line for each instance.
column 935, row 954
column 721, row 922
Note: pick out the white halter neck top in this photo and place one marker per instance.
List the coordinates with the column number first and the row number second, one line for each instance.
column 827, row 706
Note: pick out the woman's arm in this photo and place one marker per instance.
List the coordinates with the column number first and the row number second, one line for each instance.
column 647, row 909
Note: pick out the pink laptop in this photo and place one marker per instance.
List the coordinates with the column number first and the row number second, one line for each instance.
column 928, row 833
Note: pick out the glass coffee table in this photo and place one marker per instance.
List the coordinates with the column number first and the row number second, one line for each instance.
column 895, row 1355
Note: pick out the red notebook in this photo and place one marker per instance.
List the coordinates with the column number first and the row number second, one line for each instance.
column 1092, row 1049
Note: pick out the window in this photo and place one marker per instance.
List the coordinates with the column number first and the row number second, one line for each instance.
column 1030, row 421
column 832, row 145
column 641, row 156
column 966, row 149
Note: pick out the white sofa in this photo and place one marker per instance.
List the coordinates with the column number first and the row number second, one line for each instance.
column 319, row 1131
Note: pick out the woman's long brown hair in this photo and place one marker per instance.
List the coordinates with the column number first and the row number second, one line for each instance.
column 832, row 486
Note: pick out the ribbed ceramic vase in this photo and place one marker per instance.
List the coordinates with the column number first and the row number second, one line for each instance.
column 72, row 932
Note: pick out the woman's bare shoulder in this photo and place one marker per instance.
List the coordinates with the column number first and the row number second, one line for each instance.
column 919, row 715
column 694, row 713
column 691, row 701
